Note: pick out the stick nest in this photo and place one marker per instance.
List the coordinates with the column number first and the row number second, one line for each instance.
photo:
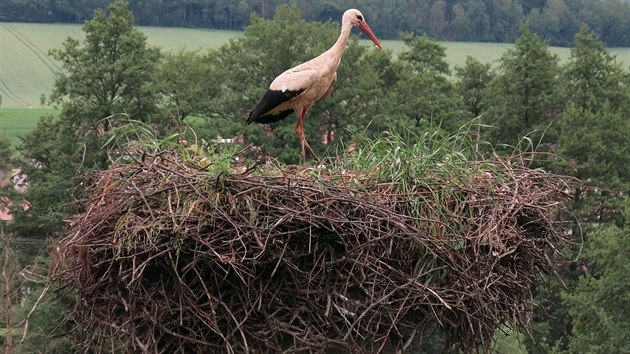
column 171, row 257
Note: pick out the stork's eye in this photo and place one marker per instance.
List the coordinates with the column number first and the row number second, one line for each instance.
column 360, row 18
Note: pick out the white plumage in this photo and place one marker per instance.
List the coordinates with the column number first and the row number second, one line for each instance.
column 298, row 88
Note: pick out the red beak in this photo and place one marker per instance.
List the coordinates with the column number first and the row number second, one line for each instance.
column 368, row 31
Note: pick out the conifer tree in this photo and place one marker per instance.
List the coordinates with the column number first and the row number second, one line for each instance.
column 523, row 99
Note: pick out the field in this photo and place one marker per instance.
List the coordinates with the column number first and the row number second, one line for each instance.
column 15, row 122
column 27, row 72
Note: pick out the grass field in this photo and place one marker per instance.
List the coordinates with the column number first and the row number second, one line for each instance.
column 27, row 72
column 15, row 122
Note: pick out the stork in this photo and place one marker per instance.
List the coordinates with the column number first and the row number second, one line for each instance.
column 298, row 88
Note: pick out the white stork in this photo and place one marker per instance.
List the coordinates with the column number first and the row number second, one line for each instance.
column 298, row 88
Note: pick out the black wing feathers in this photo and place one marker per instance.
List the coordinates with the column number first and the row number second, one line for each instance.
column 266, row 119
column 270, row 100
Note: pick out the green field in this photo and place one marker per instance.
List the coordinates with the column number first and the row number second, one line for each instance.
column 27, row 72
column 15, row 122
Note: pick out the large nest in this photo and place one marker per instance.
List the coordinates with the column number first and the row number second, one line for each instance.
column 171, row 257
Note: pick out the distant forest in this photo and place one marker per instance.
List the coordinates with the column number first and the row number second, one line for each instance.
column 458, row 20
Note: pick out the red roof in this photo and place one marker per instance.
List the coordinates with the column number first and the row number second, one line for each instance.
column 5, row 203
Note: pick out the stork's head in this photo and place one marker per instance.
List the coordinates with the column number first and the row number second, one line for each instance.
column 355, row 17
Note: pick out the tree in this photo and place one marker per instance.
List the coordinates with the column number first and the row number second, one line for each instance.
column 524, row 96
column 598, row 143
column 7, row 163
column 598, row 98
column 599, row 155
column 555, row 22
column 16, row 257
column 509, row 341
column 609, row 19
column 189, row 84
column 472, row 22
column 505, row 16
column 438, row 18
column 6, row 155
column 9, row 273
column 423, row 97
column 592, row 77
column 599, row 306
column 473, row 77
column 425, row 55
column 113, row 73
column 7, row 258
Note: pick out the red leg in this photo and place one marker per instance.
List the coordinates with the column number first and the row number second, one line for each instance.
column 300, row 131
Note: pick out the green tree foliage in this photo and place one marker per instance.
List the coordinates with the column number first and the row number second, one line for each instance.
column 599, row 306
column 524, row 96
column 6, row 155
column 50, row 178
column 111, row 73
column 189, row 84
column 598, row 144
column 425, row 55
column 13, row 259
column 592, row 76
column 556, row 22
column 505, row 16
column 6, row 164
column 471, row 22
column 423, row 85
column 46, row 325
column 473, row 78
column 508, row 341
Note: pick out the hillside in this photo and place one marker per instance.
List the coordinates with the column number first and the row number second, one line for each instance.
column 27, row 72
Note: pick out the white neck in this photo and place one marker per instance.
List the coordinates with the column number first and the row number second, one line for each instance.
column 340, row 45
